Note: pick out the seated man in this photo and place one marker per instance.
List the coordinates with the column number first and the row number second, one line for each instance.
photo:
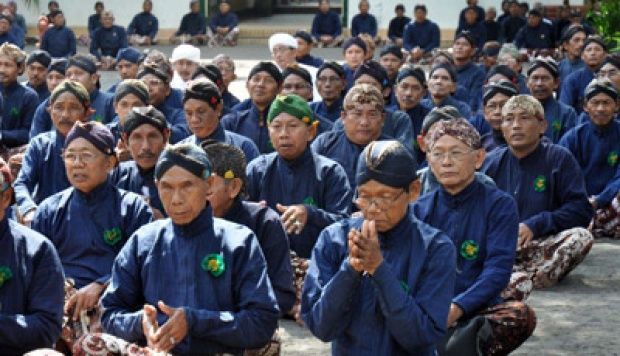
column 326, row 26
column 94, row 23
column 203, row 108
column 391, row 59
column 364, row 23
column 145, row 134
column 397, row 25
column 129, row 94
column 354, row 51
column 155, row 57
column 83, row 69
column 36, row 71
column 421, row 36
column 362, row 119
column 143, row 28
column 224, row 27
column 263, row 84
column 31, row 280
column 469, row 75
column 482, row 222
column 381, row 283
column 6, row 35
column 495, row 96
column 227, row 67
column 156, row 76
column 283, row 49
column 192, row 283
column 309, row 190
column 595, row 145
column 537, row 34
column 107, row 41
column 571, row 43
column 89, row 222
column 43, row 171
column 185, row 59
column 305, row 42
column 127, row 64
column 543, row 80
column 476, row 29
column 442, row 83
column 227, row 200
column 19, row 101
column 548, row 185
column 59, row 40
column 193, row 28
column 55, row 74
column 330, row 82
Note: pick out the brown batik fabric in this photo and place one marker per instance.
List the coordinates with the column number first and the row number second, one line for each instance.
column 300, row 268
column 88, row 322
column 544, row 262
column 101, row 344
column 606, row 221
column 273, row 348
column 511, row 324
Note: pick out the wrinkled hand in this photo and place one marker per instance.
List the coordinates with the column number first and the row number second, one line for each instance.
column 525, row 236
column 366, row 248
column 149, row 324
column 354, row 261
column 173, row 331
column 294, row 217
column 454, row 315
column 85, row 299
column 26, row 220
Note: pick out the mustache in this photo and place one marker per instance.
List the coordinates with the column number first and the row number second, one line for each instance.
column 147, row 154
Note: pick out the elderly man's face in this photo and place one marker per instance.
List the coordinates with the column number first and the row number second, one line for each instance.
column 36, row 74
column 228, row 72
column 9, row 70
column 522, row 131
column 542, row 84
column 363, row 123
column 330, row 85
column 440, row 84
column 145, row 143
column 384, row 204
column 185, row 68
column 222, row 194
column 575, row 44
column 391, row 63
column 158, row 89
column 493, row 110
column 593, row 55
column 125, row 104
column 77, row 74
column 65, row 111
column 201, row 118
column 601, row 108
column 182, row 194
column 283, row 55
column 263, row 88
column 610, row 72
column 107, row 21
column 294, row 84
column 290, row 136
column 409, row 92
column 87, row 168
column 454, row 163
column 53, row 78
column 126, row 69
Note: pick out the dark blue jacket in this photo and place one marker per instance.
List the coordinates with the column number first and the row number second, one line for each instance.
column 566, row 67
column 560, row 119
column 539, row 37
column 400, row 310
column 59, row 42
column 485, row 219
column 42, row 92
column 10, row 38
column 143, row 24
column 331, row 113
column 229, row 99
column 89, row 230
column 349, row 76
column 366, row 23
column 310, row 61
column 462, row 107
column 19, row 105
column 471, row 77
column 477, row 30
column 326, row 24
column 163, row 261
column 252, row 124
column 597, row 150
column 245, row 104
column 510, row 28
column 176, row 122
column 229, row 20
column 108, row 41
column 94, row 23
column 480, row 123
column 32, row 299
column 479, row 11
column 572, row 93
column 175, row 98
column 492, row 140
column 101, row 102
column 319, row 183
column 548, row 186
column 396, row 28
column 130, row 177
column 424, row 35
column 220, row 135
column 192, row 24
column 416, row 115
column 266, row 225
column 43, row 171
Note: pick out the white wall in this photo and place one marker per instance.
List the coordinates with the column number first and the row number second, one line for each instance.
column 443, row 12
column 168, row 12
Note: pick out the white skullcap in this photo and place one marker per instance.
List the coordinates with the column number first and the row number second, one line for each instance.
column 282, row 39
column 186, row 51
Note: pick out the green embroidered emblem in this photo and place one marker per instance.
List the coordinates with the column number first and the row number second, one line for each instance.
column 556, row 125
column 469, row 250
column 612, row 158
column 270, row 145
column 5, row 275
column 14, row 111
column 540, row 184
column 213, row 263
column 112, row 236
column 309, row 201
column 98, row 118
column 405, row 287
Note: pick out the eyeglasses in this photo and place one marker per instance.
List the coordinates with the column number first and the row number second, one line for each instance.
column 85, row 157
column 381, row 203
column 455, row 155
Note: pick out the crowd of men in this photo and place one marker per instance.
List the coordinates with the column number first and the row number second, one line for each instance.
column 388, row 208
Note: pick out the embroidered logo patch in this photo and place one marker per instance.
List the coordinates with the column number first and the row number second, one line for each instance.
column 540, row 184
column 112, row 236
column 98, row 118
column 214, row 264
column 14, row 111
column 309, row 201
column 405, row 287
column 556, row 125
column 469, row 249
column 612, row 158
column 5, row 275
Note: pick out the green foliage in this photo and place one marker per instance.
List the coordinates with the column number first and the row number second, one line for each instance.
column 606, row 21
